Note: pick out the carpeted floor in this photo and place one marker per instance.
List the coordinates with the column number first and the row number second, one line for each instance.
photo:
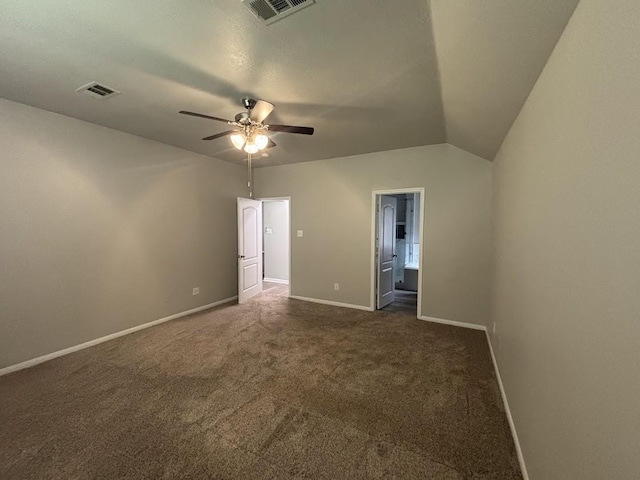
column 273, row 389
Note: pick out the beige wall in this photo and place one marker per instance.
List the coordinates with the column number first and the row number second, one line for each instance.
column 566, row 299
column 101, row 231
column 331, row 203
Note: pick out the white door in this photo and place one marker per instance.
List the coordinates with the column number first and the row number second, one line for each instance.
column 249, row 248
column 386, row 241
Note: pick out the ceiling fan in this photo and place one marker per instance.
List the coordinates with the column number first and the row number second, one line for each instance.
column 251, row 133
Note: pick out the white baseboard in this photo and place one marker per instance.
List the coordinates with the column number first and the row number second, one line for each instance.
column 454, row 323
column 332, row 303
column 276, row 280
column 512, row 425
column 91, row 343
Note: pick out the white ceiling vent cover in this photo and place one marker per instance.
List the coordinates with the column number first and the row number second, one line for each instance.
column 97, row 90
column 273, row 10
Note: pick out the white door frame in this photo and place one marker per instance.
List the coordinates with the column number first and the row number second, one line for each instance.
column 374, row 221
column 288, row 199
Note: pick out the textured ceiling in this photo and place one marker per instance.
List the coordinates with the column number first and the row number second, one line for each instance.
column 366, row 74
column 490, row 54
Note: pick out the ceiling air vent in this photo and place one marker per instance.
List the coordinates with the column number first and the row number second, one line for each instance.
column 273, row 10
column 97, row 90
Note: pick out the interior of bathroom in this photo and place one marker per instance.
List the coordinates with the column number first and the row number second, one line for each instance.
column 407, row 242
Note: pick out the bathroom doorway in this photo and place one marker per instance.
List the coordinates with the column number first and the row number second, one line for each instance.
column 397, row 236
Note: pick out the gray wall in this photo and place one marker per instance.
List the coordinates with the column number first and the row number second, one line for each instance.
column 276, row 243
column 331, row 203
column 101, row 231
column 566, row 299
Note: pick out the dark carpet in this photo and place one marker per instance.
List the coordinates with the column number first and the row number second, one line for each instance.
column 273, row 389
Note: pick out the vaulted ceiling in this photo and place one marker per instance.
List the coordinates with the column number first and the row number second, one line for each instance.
column 369, row 75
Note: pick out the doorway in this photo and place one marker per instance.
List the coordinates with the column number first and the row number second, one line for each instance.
column 263, row 247
column 276, row 246
column 397, row 238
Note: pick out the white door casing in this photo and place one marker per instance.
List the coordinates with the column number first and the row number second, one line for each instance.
column 249, row 248
column 386, row 249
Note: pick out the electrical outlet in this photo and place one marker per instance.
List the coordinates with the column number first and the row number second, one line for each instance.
column 300, row 233
column 494, row 328
column 336, row 286
column 196, row 290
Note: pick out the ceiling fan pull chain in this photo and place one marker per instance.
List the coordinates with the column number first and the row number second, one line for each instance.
column 249, row 175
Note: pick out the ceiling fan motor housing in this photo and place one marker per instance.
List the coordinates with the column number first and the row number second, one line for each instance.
column 249, row 103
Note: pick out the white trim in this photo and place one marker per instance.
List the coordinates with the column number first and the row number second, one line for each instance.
column 91, row 343
column 395, row 191
column 330, row 302
column 512, row 425
column 454, row 323
column 275, row 280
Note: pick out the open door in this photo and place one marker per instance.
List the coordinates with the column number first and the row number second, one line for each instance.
column 249, row 248
column 387, row 208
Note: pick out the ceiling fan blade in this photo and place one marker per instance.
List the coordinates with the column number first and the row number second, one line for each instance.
column 202, row 115
column 261, row 110
column 271, row 144
column 291, row 129
column 218, row 135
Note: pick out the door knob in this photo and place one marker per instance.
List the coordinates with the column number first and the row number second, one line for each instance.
column 395, row 256
column 240, row 256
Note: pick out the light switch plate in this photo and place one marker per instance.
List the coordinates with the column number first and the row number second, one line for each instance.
column 269, row 231
column 300, row 233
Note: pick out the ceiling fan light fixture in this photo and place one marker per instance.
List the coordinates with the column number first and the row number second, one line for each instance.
column 261, row 140
column 238, row 140
column 251, row 147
